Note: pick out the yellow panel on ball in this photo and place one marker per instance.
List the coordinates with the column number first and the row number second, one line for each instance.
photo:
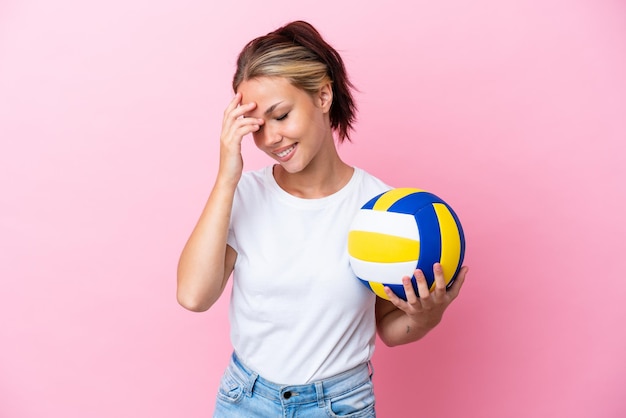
column 382, row 248
column 450, row 242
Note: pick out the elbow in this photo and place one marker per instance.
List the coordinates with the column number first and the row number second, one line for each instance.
column 389, row 342
column 191, row 303
column 192, row 293
column 394, row 337
column 193, row 300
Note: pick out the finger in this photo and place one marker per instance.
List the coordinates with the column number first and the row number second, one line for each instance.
column 440, row 280
column 236, row 109
column 241, row 110
column 235, row 101
column 458, row 282
column 247, row 123
column 393, row 298
column 422, row 286
column 236, row 129
column 409, row 291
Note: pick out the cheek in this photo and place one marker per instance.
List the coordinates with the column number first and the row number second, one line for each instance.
column 298, row 126
column 292, row 129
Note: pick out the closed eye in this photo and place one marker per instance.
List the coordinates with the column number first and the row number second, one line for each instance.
column 283, row 117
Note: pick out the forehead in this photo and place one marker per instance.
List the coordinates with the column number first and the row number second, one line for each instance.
column 263, row 90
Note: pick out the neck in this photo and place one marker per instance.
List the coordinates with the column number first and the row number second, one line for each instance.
column 324, row 176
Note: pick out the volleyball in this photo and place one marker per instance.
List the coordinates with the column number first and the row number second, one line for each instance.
column 399, row 231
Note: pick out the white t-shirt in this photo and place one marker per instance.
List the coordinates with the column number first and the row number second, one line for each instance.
column 297, row 312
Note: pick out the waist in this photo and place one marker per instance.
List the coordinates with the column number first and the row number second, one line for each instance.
column 315, row 391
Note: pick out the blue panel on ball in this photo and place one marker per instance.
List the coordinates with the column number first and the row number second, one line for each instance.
column 397, row 289
column 430, row 241
column 462, row 253
column 413, row 202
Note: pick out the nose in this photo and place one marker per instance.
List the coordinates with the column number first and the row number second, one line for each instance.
column 268, row 135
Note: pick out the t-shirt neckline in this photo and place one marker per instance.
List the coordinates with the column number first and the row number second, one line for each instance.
column 314, row 203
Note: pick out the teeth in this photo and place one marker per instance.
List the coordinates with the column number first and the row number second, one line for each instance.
column 285, row 152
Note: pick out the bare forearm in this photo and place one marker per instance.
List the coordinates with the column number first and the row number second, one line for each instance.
column 202, row 268
column 207, row 261
column 396, row 328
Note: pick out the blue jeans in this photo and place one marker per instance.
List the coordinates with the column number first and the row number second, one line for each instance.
column 245, row 394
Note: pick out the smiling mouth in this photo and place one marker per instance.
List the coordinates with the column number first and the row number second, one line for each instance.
column 286, row 152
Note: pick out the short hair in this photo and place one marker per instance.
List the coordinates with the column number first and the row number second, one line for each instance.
column 298, row 53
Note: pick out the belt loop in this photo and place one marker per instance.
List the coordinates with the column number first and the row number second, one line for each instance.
column 249, row 375
column 319, row 390
column 370, row 366
column 250, row 384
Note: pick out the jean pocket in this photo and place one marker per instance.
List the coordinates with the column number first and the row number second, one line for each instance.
column 230, row 389
column 357, row 403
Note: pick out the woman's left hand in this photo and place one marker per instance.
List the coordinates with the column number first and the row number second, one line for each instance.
column 426, row 310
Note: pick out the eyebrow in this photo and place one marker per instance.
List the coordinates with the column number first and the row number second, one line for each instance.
column 272, row 108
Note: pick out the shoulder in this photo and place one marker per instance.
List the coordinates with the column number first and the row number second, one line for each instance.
column 252, row 187
column 254, row 176
column 370, row 184
column 251, row 181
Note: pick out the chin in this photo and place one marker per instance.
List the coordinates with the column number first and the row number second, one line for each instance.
column 291, row 167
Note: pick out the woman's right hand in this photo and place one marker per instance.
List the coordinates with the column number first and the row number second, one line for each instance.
column 234, row 127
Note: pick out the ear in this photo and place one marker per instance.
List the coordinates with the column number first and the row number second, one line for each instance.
column 325, row 97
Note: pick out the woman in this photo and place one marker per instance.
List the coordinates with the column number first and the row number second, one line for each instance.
column 302, row 327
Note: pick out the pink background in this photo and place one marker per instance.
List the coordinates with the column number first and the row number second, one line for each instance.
column 513, row 111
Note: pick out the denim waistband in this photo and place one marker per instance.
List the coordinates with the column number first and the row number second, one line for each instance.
column 299, row 394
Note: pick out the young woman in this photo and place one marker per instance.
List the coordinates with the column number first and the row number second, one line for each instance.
column 302, row 326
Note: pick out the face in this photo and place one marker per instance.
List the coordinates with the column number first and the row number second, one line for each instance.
column 297, row 129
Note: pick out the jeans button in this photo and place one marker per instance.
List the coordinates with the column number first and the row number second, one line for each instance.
column 287, row 395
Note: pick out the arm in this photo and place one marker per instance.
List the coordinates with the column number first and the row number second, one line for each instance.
column 401, row 322
column 207, row 261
